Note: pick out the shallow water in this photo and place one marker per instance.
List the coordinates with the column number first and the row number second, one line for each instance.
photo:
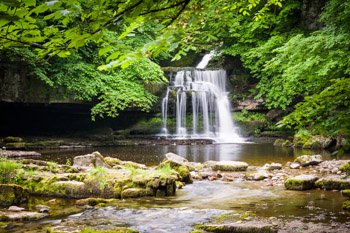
column 202, row 202
column 254, row 154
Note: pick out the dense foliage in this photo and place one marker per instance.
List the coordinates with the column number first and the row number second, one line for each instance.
column 302, row 69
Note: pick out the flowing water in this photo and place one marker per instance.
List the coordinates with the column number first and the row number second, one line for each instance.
column 202, row 95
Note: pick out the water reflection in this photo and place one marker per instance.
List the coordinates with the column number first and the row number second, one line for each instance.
column 254, row 154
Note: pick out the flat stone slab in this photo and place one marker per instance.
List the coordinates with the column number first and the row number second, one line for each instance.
column 333, row 183
column 18, row 153
column 21, row 216
column 230, row 166
column 301, row 182
column 248, row 227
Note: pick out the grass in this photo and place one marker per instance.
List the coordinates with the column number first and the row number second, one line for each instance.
column 9, row 170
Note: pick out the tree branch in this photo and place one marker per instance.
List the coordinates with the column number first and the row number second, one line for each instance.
column 31, row 44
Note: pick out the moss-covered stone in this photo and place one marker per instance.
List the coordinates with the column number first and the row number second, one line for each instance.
column 133, row 193
column 346, row 205
column 91, row 201
column 11, row 194
column 302, row 182
column 287, row 143
column 12, row 139
column 333, row 183
column 230, row 166
column 278, row 142
column 346, row 192
column 91, row 230
column 244, row 227
column 307, row 160
column 345, row 168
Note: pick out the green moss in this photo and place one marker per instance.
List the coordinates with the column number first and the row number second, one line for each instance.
column 346, row 205
column 300, row 183
column 346, row 192
column 15, row 145
column 91, row 201
column 345, row 168
column 278, row 142
column 12, row 139
column 91, row 230
column 287, row 143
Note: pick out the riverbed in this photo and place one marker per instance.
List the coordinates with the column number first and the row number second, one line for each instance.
column 200, row 202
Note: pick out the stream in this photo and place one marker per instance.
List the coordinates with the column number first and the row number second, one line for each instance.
column 196, row 203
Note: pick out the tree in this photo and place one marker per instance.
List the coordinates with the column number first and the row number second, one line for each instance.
column 123, row 32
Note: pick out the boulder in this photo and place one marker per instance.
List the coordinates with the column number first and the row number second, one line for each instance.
column 294, row 165
column 42, row 208
column 272, row 166
column 21, row 216
column 258, row 175
column 90, row 160
column 175, row 160
column 18, row 153
column 241, row 227
column 307, row 160
column 11, row 194
column 301, row 182
column 230, row 166
column 91, row 201
column 12, row 139
column 74, row 189
column 16, row 208
column 346, row 192
column 134, row 192
column 333, row 183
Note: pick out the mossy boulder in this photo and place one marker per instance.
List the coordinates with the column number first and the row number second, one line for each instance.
column 345, row 168
column 12, row 139
column 278, row 142
column 241, row 227
column 287, row 143
column 90, row 160
column 11, row 194
column 346, row 205
column 333, row 183
column 272, row 166
column 230, row 166
column 258, row 175
column 346, row 192
column 307, row 160
column 92, row 201
column 301, row 182
column 135, row 192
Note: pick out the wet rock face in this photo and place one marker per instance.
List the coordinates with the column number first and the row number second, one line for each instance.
column 302, row 182
column 11, row 194
column 230, row 166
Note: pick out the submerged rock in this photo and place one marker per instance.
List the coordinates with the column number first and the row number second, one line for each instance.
column 306, row 160
column 301, row 182
column 230, row 166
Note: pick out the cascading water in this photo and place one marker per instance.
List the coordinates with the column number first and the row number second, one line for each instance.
column 205, row 92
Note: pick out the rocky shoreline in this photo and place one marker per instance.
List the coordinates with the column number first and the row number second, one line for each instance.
column 93, row 180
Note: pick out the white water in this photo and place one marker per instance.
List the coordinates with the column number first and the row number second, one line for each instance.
column 205, row 92
column 205, row 60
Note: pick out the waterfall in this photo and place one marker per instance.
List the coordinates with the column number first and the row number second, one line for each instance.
column 205, row 92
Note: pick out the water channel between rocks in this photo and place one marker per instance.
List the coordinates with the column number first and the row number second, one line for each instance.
column 201, row 201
